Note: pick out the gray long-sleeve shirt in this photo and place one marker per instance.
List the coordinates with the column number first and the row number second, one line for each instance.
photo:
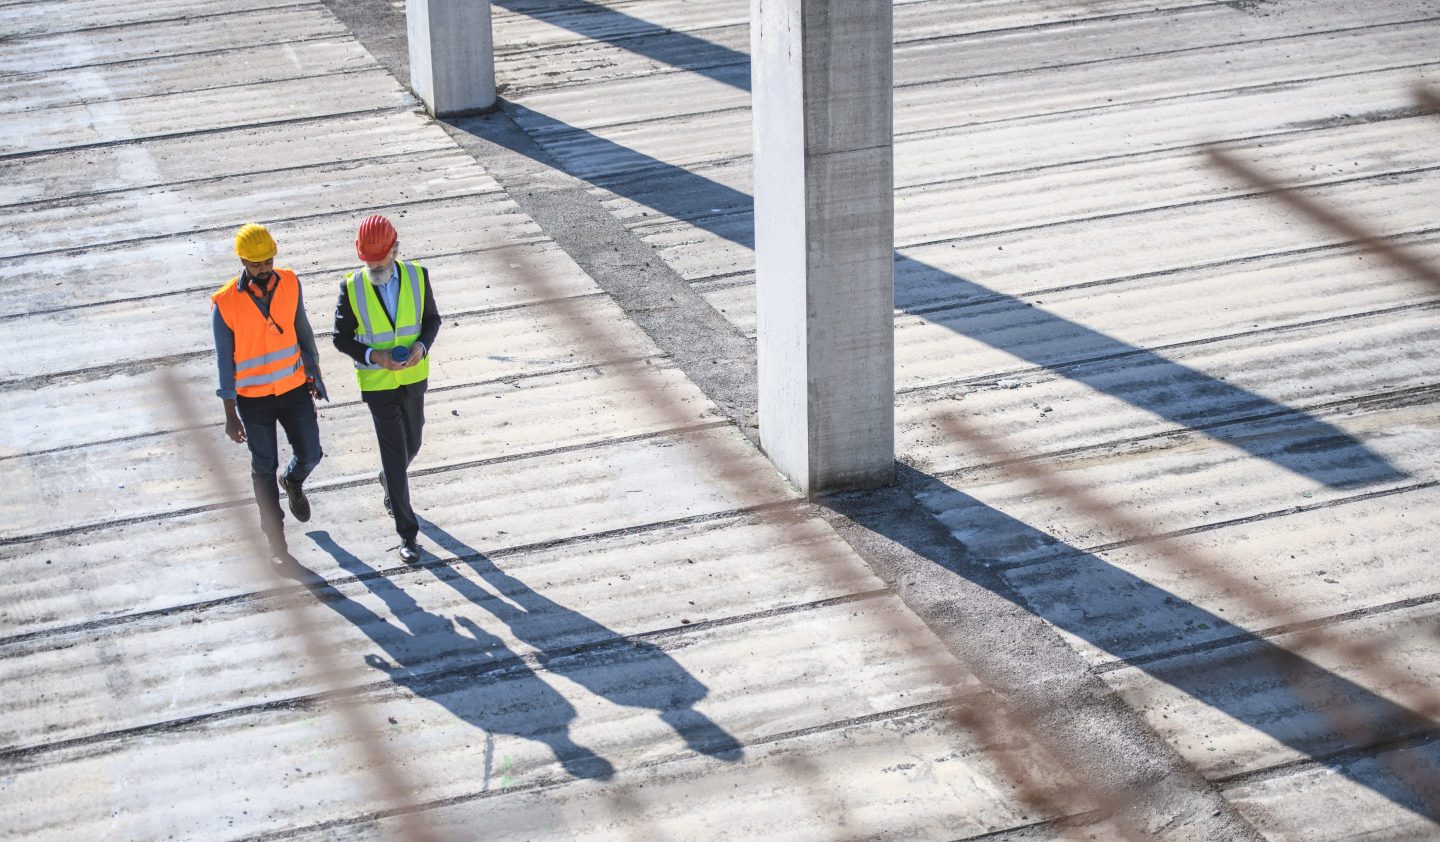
column 225, row 347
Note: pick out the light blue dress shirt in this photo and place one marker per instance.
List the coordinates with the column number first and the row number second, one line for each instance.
column 389, row 293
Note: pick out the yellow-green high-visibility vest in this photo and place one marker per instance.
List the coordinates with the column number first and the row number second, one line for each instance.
column 375, row 330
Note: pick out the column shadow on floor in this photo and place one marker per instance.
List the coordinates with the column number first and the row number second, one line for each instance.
column 1185, row 397
column 1251, row 679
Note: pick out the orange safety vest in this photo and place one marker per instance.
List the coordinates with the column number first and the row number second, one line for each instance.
column 267, row 355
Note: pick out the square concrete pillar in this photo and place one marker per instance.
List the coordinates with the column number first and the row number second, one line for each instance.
column 824, row 240
column 452, row 55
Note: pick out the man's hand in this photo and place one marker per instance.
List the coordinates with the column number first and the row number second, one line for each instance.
column 417, row 353
column 315, row 384
column 382, row 358
column 233, row 428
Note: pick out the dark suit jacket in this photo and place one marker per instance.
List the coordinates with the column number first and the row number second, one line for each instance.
column 346, row 322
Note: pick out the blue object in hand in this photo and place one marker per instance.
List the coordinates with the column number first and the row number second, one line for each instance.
column 399, row 353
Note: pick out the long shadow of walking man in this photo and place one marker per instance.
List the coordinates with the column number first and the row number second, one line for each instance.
column 457, row 665
column 626, row 672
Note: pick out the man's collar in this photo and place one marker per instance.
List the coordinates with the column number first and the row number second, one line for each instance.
column 246, row 280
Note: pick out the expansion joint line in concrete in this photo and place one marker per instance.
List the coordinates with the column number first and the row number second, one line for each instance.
column 80, row 375
column 1229, row 262
column 1401, row 113
column 1327, row 761
column 408, row 108
column 337, row 406
column 327, row 272
column 212, row 89
column 601, row 174
column 1059, row 368
column 219, row 51
column 1237, row 196
column 1239, row 521
column 958, row 40
column 1250, row 637
column 515, row 550
column 547, row 660
column 1161, row 152
column 1034, row 831
column 1138, row 57
column 554, row 782
column 116, row 245
column 197, row 15
column 81, row 199
column 900, row 44
column 660, row 31
column 1278, row 84
column 1242, row 5
column 327, row 488
column 1412, row 396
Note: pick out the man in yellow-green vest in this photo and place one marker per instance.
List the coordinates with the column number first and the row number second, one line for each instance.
column 386, row 321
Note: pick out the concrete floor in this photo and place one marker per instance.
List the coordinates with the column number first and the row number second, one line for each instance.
column 627, row 626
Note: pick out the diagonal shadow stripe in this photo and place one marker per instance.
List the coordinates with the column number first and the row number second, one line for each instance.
column 1014, row 326
column 1255, row 680
column 666, row 46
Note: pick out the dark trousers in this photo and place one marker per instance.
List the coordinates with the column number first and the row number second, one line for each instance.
column 294, row 411
column 399, row 416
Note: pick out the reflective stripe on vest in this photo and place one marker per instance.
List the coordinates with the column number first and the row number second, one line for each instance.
column 272, row 376
column 267, row 358
column 370, row 314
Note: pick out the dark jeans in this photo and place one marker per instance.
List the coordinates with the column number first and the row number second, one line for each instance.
column 399, row 416
column 295, row 411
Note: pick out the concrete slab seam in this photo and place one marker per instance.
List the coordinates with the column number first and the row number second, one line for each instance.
column 331, row 487
column 136, row 141
column 515, row 664
column 150, row 21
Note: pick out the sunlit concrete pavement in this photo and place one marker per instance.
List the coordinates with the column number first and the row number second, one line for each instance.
column 626, row 625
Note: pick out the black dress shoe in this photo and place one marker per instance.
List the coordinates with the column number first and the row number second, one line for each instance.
column 389, row 509
column 410, row 551
column 299, row 504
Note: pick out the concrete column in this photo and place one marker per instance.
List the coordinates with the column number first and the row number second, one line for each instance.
column 452, row 55
column 824, row 240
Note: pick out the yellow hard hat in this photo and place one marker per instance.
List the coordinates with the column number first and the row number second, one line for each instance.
column 254, row 243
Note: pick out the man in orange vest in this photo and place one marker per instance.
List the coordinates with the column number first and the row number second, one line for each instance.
column 269, row 374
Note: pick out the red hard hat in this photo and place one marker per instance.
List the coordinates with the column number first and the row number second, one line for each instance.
column 377, row 236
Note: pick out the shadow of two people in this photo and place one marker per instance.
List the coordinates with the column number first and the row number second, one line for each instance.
column 473, row 674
